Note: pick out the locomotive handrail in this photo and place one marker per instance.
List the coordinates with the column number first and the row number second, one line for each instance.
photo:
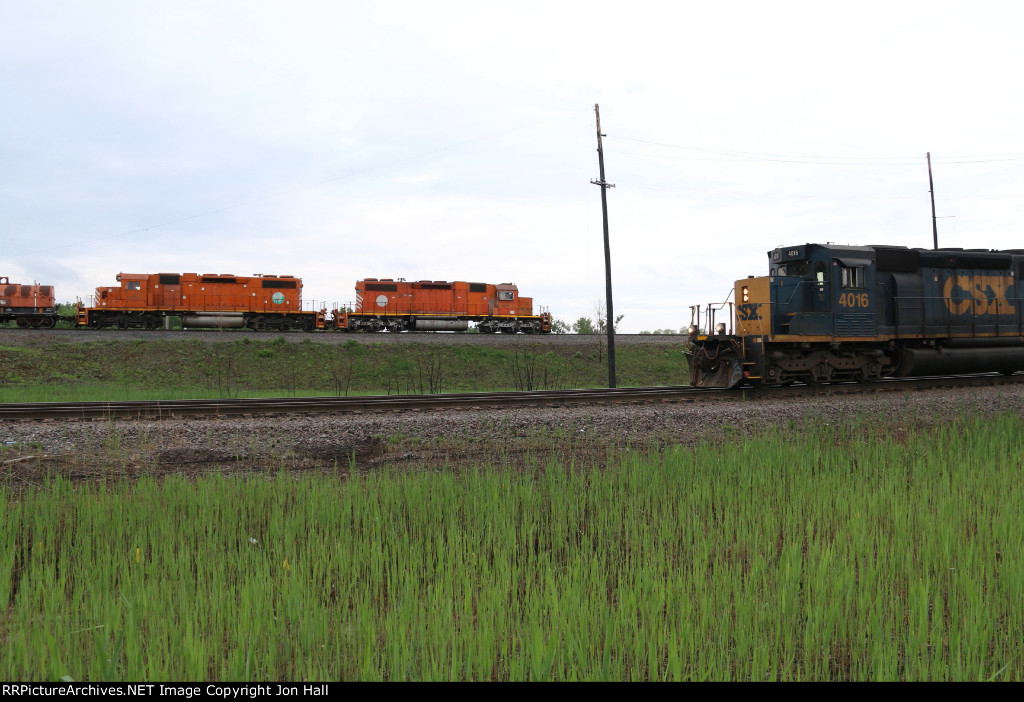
column 715, row 307
column 801, row 282
column 709, row 313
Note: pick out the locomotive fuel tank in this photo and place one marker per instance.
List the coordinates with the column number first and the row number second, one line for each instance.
column 422, row 324
column 955, row 361
column 223, row 320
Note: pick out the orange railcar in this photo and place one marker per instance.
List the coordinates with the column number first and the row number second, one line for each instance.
column 30, row 306
column 145, row 300
column 439, row 305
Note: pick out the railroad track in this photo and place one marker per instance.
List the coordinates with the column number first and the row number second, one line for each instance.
column 364, row 403
column 539, row 398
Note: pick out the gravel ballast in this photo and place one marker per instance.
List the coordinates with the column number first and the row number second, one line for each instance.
column 460, row 437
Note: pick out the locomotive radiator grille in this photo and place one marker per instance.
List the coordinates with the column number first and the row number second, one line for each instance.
column 855, row 324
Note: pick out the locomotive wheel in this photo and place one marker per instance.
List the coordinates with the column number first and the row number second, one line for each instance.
column 122, row 322
column 46, row 323
column 256, row 324
column 773, row 378
column 22, row 324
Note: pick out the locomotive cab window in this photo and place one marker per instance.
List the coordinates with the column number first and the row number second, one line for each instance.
column 795, row 269
column 504, row 294
column 132, row 285
column 853, row 277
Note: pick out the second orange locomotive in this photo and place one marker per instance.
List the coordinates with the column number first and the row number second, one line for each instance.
column 144, row 300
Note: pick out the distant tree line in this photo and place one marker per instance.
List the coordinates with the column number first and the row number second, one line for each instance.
column 598, row 324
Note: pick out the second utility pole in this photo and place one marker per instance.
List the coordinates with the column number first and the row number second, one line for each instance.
column 931, row 191
column 607, row 252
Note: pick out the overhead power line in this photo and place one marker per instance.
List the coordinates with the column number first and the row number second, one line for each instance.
column 785, row 196
column 742, row 156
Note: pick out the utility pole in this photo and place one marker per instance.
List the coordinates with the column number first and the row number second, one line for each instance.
column 931, row 190
column 607, row 252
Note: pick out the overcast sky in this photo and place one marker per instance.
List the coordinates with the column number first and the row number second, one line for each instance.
column 337, row 140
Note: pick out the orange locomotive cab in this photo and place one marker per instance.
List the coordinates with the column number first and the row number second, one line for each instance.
column 202, row 301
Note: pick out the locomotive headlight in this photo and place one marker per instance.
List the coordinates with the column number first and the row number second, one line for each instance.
column 720, row 328
column 746, row 294
column 691, row 330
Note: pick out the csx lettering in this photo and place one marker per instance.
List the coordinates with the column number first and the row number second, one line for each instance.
column 749, row 312
column 978, row 294
column 854, row 300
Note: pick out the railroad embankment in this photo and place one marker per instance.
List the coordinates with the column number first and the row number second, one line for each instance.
column 37, row 367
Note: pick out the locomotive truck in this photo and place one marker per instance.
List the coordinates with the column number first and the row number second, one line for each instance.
column 828, row 313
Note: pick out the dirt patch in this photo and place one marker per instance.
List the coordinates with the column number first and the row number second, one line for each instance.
column 359, row 451
column 188, row 455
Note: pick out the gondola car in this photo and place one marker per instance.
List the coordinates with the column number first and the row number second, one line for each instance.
column 828, row 313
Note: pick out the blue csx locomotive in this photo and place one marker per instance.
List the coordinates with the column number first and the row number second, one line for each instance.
column 836, row 313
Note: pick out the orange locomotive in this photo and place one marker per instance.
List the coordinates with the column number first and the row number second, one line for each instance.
column 202, row 301
column 437, row 305
column 30, row 306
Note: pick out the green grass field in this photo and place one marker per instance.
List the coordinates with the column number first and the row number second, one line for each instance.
column 107, row 370
column 830, row 554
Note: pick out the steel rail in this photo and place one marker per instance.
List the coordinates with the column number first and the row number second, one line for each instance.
column 363, row 403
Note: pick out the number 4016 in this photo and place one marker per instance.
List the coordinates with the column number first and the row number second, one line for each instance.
column 853, row 299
